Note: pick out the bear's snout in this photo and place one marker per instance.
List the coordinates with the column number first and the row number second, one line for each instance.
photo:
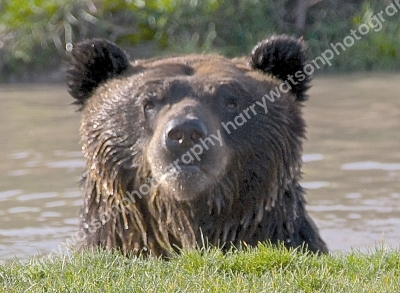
column 183, row 133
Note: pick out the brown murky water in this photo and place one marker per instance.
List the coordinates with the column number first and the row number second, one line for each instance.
column 352, row 164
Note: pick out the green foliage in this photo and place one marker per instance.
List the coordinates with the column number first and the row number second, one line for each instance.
column 34, row 30
column 34, row 33
column 376, row 50
column 261, row 269
column 380, row 48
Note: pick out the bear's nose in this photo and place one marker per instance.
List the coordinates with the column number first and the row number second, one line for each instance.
column 182, row 133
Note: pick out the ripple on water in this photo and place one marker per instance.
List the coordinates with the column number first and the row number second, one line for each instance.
column 395, row 195
column 20, row 172
column 58, row 203
column 360, row 208
column 71, row 221
column 67, row 164
column 70, row 154
column 371, row 165
column 18, row 210
column 20, row 155
column 36, row 196
column 312, row 157
column 50, row 215
column 4, row 195
column 314, row 184
column 353, row 195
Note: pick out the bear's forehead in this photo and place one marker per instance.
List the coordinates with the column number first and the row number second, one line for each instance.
column 199, row 66
column 199, row 72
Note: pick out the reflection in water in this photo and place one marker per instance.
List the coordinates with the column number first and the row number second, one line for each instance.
column 352, row 164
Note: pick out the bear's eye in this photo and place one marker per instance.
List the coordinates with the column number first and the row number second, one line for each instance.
column 148, row 105
column 231, row 105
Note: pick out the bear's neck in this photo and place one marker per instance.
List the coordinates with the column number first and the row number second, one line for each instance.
column 158, row 224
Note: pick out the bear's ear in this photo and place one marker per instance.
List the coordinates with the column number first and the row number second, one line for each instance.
column 92, row 62
column 282, row 56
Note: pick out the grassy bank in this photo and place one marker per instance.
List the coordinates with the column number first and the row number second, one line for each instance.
column 264, row 269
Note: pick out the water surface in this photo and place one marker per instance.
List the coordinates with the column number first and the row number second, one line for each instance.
column 352, row 161
column 351, row 172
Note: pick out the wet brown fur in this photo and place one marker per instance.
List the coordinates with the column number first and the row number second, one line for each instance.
column 257, row 197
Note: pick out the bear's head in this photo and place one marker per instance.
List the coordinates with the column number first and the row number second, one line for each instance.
column 217, row 138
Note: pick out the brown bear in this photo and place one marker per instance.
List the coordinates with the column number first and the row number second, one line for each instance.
column 195, row 150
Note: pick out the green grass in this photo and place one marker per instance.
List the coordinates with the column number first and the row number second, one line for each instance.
column 263, row 269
